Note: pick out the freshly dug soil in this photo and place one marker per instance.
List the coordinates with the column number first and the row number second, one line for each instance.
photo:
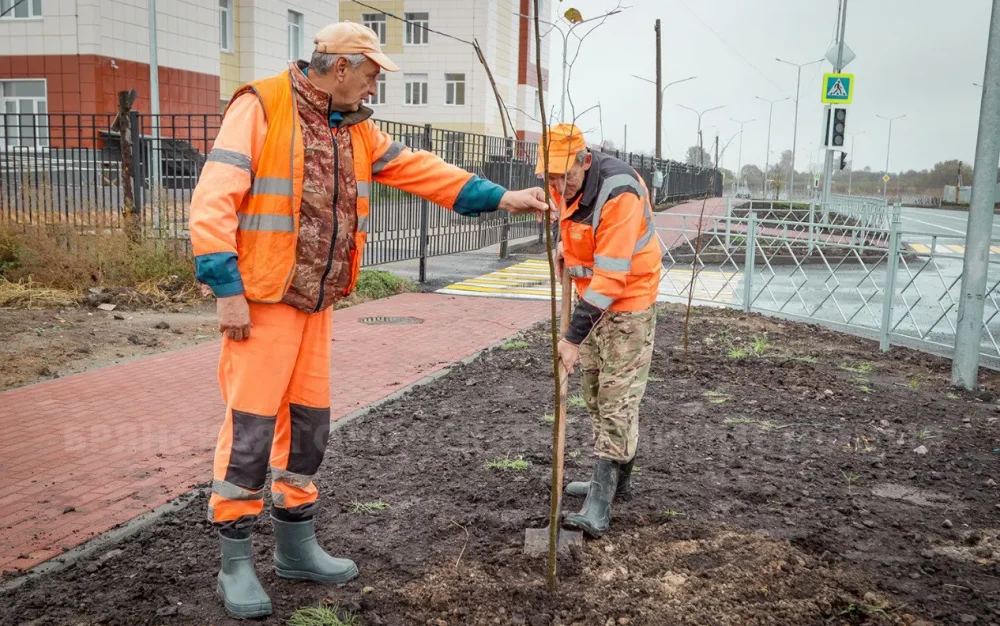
column 779, row 488
column 40, row 344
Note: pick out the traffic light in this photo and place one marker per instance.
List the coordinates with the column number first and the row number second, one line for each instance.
column 839, row 130
column 843, row 160
column 836, row 128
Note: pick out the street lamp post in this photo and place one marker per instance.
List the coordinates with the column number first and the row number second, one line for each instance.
column 739, row 167
column 767, row 158
column 850, row 173
column 659, row 109
column 701, row 150
column 888, row 143
column 795, row 132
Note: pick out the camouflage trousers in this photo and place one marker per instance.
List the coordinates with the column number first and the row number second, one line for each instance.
column 614, row 363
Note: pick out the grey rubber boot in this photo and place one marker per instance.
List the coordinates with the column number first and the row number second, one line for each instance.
column 237, row 585
column 580, row 488
column 594, row 518
column 297, row 555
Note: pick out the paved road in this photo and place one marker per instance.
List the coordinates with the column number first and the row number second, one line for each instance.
column 944, row 222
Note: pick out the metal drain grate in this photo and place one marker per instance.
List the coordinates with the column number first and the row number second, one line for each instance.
column 380, row 321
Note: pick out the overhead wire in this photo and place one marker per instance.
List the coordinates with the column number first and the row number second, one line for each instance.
column 417, row 24
column 732, row 49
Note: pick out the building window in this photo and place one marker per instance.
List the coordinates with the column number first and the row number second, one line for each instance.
column 226, row 25
column 376, row 22
column 416, row 28
column 25, row 114
column 294, row 36
column 379, row 97
column 454, row 89
column 416, row 89
column 22, row 10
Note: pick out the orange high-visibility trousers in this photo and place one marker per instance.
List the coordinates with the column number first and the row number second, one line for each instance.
column 276, row 386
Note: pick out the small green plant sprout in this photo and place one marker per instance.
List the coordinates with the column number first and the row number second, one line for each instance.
column 716, row 397
column 508, row 464
column 764, row 425
column 850, row 479
column 369, row 507
column 670, row 513
column 860, row 368
column 515, row 344
column 322, row 616
column 755, row 348
column 576, row 402
column 924, row 435
column 654, row 379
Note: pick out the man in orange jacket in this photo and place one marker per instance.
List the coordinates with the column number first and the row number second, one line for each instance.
column 609, row 245
column 279, row 221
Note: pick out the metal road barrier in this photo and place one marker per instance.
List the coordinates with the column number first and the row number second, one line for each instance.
column 850, row 274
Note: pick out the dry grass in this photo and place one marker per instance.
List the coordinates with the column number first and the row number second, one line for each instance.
column 27, row 295
column 49, row 265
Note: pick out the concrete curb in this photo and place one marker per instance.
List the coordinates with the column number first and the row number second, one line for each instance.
column 108, row 539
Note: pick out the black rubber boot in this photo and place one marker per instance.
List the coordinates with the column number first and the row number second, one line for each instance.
column 580, row 488
column 237, row 585
column 595, row 516
column 297, row 555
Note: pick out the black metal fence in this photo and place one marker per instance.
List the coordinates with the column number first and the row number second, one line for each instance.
column 75, row 170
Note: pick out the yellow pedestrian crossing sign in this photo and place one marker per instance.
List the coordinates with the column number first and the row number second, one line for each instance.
column 838, row 88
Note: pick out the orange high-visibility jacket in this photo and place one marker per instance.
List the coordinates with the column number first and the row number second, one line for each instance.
column 244, row 215
column 610, row 245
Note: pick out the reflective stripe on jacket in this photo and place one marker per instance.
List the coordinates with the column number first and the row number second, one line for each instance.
column 245, row 211
column 610, row 245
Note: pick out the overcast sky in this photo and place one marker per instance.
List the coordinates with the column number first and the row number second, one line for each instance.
column 917, row 58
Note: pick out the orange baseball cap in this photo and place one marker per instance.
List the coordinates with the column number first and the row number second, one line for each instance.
column 352, row 38
column 565, row 142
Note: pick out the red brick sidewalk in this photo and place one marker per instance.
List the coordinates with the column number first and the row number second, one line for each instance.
column 84, row 453
column 672, row 228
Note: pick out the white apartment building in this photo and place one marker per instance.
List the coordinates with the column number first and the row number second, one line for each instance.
column 74, row 56
column 441, row 81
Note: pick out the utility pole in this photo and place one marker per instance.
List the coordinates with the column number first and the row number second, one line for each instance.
column 716, row 150
column 625, row 147
column 659, row 95
column 795, row 131
column 969, row 329
column 767, row 158
column 888, row 143
column 828, row 163
column 739, row 167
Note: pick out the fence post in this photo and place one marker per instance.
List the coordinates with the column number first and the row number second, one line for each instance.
column 505, row 217
column 890, row 281
column 138, row 177
column 425, row 208
column 812, row 224
column 751, row 243
column 729, row 218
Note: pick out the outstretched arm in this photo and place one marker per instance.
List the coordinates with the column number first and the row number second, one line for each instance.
column 425, row 174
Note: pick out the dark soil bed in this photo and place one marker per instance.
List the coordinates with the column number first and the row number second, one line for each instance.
column 782, row 487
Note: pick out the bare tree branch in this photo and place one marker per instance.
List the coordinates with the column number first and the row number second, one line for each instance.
column 525, row 114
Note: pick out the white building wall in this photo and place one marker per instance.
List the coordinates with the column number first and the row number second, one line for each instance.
column 264, row 33
column 188, row 32
column 54, row 33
